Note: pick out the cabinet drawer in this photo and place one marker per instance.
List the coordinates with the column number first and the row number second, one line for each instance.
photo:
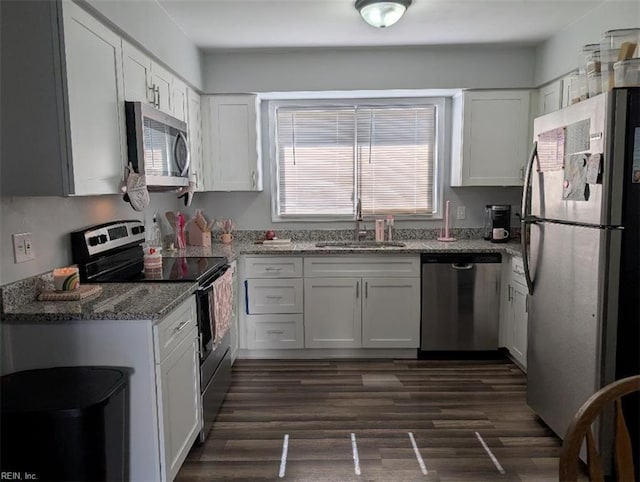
column 274, row 296
column 172, row 329
column 371, row 266
column 275, row 331
column 273, row 267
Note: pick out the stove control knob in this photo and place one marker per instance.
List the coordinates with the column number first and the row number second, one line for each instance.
column 137, row 229
column 93, row 241
column 102, row 238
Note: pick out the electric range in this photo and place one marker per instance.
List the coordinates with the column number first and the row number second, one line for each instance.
column 113, row 252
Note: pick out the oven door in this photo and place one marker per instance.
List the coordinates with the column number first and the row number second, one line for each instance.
column 206, row 316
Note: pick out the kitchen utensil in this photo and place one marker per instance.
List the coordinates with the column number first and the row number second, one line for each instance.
column 200, row 220
column 171, row 217
column 180, row 236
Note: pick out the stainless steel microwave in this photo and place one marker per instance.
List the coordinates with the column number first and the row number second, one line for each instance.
column 157, row 146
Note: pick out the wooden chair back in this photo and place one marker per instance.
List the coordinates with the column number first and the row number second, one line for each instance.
column 580, row 428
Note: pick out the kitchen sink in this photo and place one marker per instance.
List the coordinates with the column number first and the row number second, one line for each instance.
column 360, row 244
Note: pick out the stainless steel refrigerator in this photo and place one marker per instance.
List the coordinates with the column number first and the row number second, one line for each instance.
column 581, row 245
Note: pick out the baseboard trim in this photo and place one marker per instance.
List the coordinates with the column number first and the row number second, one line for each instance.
column 311, row 353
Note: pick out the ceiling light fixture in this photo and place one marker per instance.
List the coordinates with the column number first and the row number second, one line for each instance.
column 381, row 13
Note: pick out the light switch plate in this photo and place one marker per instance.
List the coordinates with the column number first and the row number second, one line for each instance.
column 462, row 212
column 23, row 247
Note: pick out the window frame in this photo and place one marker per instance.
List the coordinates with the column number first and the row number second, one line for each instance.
column 440, row 104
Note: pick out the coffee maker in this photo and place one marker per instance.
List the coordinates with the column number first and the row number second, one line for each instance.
column 500, row 223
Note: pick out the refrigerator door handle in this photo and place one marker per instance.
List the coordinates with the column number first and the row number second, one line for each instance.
column 524, row 223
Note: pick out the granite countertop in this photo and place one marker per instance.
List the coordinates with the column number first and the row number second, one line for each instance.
column 153, row 301
column 117, row 301
column 232, row 251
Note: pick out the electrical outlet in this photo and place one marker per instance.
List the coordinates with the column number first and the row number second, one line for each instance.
column 23, row 247
column 462, row 212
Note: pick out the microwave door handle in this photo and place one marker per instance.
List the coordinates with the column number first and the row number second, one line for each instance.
column 185, row 168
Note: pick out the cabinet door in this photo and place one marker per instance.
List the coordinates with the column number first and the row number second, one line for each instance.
column 162, row 80
column 194, row 126
column 518, row 347
column 95, row 90
column 506, row 323
column 179, row 99
column 136, row 66
column 391, row 313
column 179, row 390
column 490, row 138
column 333, row 313
column 234, row 159
column 550, row 98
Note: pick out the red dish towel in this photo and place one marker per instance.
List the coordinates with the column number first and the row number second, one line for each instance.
column 222, row 304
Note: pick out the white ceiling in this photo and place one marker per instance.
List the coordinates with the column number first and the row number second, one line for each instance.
column 232, row 24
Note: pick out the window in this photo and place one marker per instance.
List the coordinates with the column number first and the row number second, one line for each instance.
column 327, row 155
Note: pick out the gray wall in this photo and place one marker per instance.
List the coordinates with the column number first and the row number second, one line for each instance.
column 352, row 69
column 559, row 55
column 51, row 219
column 148, row 24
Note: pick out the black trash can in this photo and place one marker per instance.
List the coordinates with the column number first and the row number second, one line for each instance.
column 66, row 424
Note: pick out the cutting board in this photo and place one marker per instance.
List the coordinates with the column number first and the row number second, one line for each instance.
column 276, row 241
column 84, row 291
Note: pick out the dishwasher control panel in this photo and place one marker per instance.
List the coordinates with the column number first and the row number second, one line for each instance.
column 464, row 257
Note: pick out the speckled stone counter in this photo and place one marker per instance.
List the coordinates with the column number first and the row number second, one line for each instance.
column 117, row 301
column 235, row 249
column 135, row 301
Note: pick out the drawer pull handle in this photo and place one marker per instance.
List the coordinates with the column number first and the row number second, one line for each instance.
column 273, row 297
column 179, row 328
column 269, row 268
column 275, row 332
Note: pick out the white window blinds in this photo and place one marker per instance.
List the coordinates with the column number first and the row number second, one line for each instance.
column 327, row 157
column 396, row 156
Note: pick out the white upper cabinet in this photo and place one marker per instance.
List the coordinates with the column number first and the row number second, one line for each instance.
column 179, row 99
column 63, row 103
column 147, row 81
column 550, row 98
column 194, row 127
column 162, row 81
column 136, row 66
column 95, row 97
column 490, row 137
column 232, row 143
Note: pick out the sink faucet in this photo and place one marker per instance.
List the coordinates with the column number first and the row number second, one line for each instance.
column 360, row 231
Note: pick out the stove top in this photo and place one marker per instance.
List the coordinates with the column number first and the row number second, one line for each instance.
column 184, row 268
column 112, row 253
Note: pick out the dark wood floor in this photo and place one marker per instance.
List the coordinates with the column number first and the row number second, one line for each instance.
column 446, row 406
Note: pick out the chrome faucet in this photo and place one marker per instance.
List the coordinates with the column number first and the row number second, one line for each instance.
column 360, row 231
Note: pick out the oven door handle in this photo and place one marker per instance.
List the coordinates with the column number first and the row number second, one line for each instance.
column 209, row 284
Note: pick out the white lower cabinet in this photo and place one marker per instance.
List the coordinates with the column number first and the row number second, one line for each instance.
column 374, row 311
column 178, row 387
column 332, row 313
column 275, row 331
column 273, row 302
column 514, row 310
column 334, row 302
column 165, row 412
column 391, row 313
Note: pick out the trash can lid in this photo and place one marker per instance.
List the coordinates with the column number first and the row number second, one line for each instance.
column 66, row 390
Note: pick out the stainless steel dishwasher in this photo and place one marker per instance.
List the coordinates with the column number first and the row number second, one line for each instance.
column 460, row 301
